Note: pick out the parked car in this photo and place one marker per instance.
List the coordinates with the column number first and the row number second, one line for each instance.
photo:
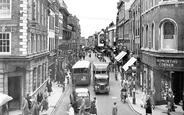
column 77, row 95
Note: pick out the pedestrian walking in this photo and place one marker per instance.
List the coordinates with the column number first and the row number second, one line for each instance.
column 152, row 97
column 71, row 110
column 75, row 106
column 25, row 108
column 82, row 107
column 4, row 109
column 114, row 109
column 170, row 101
column 49, row 86
column 143, row 98
column 39, row 98
column 44, row 104
column 93, row 109
column 28, row 98
column 148, row 105
column 35, row 109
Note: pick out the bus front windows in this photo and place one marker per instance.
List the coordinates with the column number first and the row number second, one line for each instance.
column 84, row 70
column 104, row 72
column 98, row 72
column 77, row 70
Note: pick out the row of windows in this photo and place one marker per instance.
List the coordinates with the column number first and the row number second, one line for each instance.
column 39, row 12
column 39, row 75
column 37, row 43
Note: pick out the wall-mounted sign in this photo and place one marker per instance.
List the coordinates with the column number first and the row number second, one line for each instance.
column 169, row 62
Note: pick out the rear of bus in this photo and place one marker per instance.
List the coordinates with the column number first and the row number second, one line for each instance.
column 81, row 73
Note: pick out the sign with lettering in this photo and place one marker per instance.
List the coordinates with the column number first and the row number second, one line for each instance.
column 169, row 62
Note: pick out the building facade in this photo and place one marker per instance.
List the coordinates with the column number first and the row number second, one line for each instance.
column 31, row 32
column 162, row 47
column 111, row 35
column 24, row 49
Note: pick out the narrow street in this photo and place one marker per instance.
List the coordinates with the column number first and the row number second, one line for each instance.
column 104, row 101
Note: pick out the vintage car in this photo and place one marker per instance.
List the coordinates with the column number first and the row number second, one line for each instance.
column 101, row 78
column 77, row 95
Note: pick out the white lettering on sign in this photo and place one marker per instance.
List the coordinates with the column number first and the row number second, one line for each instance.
column 166, row 62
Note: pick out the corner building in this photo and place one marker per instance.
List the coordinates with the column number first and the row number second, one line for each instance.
column 23, row 48
column 162, row 47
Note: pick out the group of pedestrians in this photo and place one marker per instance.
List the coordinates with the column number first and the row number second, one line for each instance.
column 39, row 103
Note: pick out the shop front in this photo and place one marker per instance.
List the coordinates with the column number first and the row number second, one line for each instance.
column 161, row 74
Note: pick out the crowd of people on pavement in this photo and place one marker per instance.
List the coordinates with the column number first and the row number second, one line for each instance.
column 39, row 103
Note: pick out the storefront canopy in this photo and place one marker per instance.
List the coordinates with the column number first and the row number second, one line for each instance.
column 120, row 55
column 129, row 63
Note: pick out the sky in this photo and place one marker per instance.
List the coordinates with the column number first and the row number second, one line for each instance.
column 94, row 15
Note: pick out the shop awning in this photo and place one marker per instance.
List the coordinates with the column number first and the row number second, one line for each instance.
column 120, row 55
column 130, row 62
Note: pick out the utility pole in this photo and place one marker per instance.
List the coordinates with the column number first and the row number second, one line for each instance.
column 134, row 99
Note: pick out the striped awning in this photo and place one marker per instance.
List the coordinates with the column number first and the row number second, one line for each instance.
column 120, row 55
column 130, row 62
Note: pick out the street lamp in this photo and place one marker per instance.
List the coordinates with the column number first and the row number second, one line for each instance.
column 134, row 75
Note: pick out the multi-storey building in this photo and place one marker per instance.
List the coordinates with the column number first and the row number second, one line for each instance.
column 134, row 27
column 51, row 39
column 111, row 35
column 23, row 48
column 120, row 21
column 162, row 47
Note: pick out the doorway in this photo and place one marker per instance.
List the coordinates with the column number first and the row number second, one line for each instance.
column 177, row 86
column 14, row 90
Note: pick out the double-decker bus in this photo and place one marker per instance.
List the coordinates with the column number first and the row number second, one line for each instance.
column 81, row 73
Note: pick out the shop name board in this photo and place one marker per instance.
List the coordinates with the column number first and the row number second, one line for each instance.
column 167, row 62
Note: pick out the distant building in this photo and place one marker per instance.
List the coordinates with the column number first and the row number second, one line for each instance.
column 111, row 35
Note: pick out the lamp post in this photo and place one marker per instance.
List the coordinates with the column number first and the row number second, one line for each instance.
column 134, row 75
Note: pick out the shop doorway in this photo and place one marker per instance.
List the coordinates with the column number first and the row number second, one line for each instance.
column 14, row 90
column 178, row 86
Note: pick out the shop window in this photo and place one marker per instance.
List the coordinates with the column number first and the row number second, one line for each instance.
column 165, row 85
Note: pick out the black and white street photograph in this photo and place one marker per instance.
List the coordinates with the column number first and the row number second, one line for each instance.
column 91, row 57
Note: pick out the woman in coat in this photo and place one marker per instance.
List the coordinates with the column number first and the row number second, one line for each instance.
column 93, row 110
column 49, row 86
column 148, row 106
column 25, row 108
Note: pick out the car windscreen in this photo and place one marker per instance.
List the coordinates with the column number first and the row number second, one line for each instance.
column 101, row 80
column 101, row 72
column 82, row 95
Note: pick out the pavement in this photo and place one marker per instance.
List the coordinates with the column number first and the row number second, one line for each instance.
column 54, row 100
column 159, row 109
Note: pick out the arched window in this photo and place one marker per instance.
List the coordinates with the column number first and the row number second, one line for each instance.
column 152, row 36
column 168, row 35
column 147, row 37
